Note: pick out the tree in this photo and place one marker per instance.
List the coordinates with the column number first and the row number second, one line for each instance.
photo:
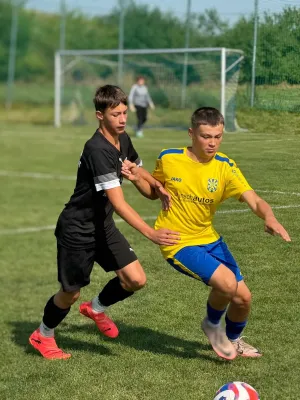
column 211, row 24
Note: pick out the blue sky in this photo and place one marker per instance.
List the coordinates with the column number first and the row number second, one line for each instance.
column 230, row 9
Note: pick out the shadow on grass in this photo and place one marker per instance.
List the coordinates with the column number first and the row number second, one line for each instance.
column 136, row 337
column 23, row 329
column 146, row 339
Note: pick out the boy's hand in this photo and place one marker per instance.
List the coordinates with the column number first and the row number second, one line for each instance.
column 130, row 170
column 273, row 227
column 164, row 237
column 163, row 195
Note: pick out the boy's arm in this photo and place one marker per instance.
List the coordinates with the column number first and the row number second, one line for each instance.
column 264, row 211
column 130, row 99
column 137, row 175
column 126, row 212
column 150, row 101
column 148, row 186
column 158, row 190
column 145, row 179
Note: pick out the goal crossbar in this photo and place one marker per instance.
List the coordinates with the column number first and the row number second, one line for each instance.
column 112, row 52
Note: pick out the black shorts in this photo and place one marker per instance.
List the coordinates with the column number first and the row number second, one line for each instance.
column 111, row 252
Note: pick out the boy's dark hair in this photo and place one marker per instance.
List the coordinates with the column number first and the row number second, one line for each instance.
column 109, row 96
column 207, row 116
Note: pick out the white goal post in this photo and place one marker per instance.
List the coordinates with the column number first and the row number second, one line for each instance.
column 183, row 78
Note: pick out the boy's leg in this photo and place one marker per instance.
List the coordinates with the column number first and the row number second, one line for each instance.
column 144, row 115
column 224, row 287
column 128, row 280
column 196, row 262
column 236, row 320
column 132, row 277
column 140, row 121
column 55, row 311
column 115, row 254
column 239, row 307
column 74, row 268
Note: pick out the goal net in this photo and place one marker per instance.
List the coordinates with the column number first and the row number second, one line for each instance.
column 277, row 67
column 179, row 81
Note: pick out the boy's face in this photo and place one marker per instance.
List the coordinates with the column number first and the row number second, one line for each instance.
column 114, row 119
column 206, row 139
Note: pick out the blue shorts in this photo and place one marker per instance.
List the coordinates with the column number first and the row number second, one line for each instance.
column 200, row 262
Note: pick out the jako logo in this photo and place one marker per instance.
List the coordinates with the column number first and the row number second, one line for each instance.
column 176, row 179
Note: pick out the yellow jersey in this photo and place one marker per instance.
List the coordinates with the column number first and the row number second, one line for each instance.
column 196, row 189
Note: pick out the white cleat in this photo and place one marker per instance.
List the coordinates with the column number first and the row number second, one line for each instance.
column 219, row 341
column 139, row 134
column 244, row 349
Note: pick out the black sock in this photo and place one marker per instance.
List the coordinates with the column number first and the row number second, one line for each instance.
column 113, row 292
column 53, row 315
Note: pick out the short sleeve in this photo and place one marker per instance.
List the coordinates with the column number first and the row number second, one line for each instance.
column 158, row 173
column 132, row 154
column 104, row 170
column 236, row 184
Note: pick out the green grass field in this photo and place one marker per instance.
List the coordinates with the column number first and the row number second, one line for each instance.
column 161, row 352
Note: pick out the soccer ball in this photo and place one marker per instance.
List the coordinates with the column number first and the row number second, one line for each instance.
column 236, row 391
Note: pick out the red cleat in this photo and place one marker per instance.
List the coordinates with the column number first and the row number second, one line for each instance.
column 104, row 324
column 47, row 346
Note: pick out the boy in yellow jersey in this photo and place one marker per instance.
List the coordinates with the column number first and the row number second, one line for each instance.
column 198, row 179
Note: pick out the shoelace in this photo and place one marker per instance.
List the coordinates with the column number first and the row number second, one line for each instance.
column 242, row 345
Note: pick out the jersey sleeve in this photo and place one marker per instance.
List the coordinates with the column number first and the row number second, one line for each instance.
column 132, row 154
column 158, row 172
column 104, row 170
column 236, row 184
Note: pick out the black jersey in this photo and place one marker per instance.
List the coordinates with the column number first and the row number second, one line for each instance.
column 88, row 214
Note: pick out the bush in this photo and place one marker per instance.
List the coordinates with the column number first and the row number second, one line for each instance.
column 159, row 97
column 198, row 98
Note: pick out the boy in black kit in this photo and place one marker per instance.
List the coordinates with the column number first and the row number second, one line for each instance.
column 86, row 231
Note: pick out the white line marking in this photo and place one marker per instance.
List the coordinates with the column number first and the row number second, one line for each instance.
column 278, row 192
column 40, row 175
column 16, row 231
column 259, row 140
column 36, row 175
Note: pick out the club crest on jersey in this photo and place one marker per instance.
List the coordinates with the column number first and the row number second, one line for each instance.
column 212, row 184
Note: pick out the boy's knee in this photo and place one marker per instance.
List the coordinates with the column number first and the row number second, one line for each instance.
column 74, row 297
column 243, row 300
column 136, row 284
column 66, row 299
column 229, row 288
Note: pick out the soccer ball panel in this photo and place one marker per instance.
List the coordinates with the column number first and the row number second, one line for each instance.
column 236, row 391
column 225, row 395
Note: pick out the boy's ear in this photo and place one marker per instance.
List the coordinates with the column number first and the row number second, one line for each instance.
column 99, row 115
